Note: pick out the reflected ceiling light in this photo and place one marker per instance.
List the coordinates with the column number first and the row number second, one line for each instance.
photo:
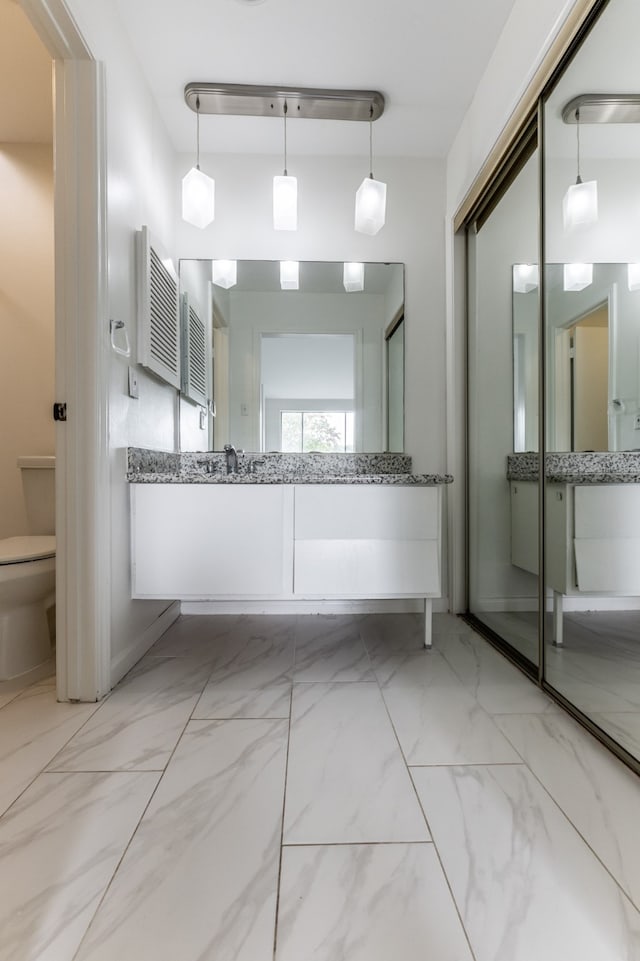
column 633, row 276
column 580, row 203
column 371, row 196
column 225, row 273
column 577, row 276
column 526, row 277
column 353, row 277
column 285, row 193
column 289, row 274
column 198, row 190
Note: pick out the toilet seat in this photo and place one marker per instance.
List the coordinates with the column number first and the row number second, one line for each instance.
column 33, row 547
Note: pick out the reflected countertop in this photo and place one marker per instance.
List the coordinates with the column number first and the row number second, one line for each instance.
column 590, row 467
column 161, row 467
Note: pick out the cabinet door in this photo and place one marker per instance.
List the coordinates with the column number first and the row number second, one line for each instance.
column 366, row 541
column 199, row 542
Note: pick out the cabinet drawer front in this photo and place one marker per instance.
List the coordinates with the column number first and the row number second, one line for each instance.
column 366, row 568
column 610, row 510
column 366, row 512
column 194, row 542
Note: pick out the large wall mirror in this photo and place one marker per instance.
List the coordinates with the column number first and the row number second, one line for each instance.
column 317, row 367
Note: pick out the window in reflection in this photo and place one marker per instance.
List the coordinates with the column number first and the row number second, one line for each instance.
column 306, row 431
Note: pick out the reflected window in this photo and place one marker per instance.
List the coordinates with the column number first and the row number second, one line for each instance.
column 304, row 431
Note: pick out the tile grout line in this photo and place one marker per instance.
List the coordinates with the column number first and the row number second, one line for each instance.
column 140, row 820
column 570, row 822
column 424, row 815
column 284, row 796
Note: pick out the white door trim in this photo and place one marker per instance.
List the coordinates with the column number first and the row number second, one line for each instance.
column 83, row 541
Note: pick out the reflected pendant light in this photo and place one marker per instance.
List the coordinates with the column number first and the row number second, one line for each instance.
column 633, row 276
column 289, row 274
column 577, row 276
column 225, row 273
column 198, row 190
column 526, row 277
column 353, row 277
column 580, row 203
column 285, row 193
column 371, row 196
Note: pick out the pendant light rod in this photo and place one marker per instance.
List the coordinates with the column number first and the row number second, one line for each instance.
column 285, row 138
column 371, row 144
column 258, row 100
column 579, row 178
column 197, row 133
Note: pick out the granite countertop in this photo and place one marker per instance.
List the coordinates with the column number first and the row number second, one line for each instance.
column 160, row 467
column 593, row 467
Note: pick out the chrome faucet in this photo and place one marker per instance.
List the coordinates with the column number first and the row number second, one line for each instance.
column 231, row 455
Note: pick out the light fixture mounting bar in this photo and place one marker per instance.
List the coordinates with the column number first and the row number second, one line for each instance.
column 602, row 108
column 254, row 100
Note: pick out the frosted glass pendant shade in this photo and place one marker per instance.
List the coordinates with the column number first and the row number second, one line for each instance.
column 580, row 205
column 371, row 206
column 526, row 277
column 285, row 203
column 577, row 276
column 198, row 198
column 633, row 276
column 225, row 273
column 353, row 277
column 289, row 274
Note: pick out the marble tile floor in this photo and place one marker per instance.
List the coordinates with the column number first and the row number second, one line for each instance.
column 313, row 789
column 597, row 669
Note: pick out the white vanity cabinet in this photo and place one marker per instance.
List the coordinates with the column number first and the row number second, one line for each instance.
column 286, row 542
column 201, row 541
column 367, row 541
column 592, row 539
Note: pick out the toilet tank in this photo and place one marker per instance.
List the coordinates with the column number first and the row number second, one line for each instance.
column 38, row 485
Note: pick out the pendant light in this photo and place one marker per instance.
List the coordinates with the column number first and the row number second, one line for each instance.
column 285, row 193
column 577, row 276
column 225, row 273
column 526, row 277
column 633, row 276
column 371, row 196
column 198, row 190
column 289, row 274
column 353, row 277
column 580, row 203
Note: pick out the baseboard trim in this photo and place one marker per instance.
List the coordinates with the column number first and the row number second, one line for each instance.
column 126, row 659
column 390, row 606
column 570, row 602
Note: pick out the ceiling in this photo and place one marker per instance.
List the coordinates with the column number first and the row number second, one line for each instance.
column 425, row 56
column 26, row 113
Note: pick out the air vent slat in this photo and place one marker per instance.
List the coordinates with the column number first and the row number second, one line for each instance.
column 194, row 380
column 159, row 314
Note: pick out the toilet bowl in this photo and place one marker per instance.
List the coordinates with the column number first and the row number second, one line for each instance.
column 27, row 589
column 28, row 575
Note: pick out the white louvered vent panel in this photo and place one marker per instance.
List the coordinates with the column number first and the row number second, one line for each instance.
column 194, row 360
column 159, row 313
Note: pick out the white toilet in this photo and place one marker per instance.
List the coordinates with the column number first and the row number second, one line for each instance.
column 28, row 574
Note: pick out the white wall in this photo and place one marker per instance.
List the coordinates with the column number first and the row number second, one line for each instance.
column 413, row 235
column 141, row 190
column 26, row 319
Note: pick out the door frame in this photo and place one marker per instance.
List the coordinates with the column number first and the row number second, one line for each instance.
column 83, row 498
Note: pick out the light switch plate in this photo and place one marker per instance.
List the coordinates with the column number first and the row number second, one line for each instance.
column 133, row 383
column 637, row 422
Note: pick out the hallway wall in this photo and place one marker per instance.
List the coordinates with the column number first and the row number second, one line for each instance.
column 26, row 319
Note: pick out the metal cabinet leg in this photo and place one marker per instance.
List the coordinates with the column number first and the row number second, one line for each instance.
column 557, row 619
column 428, row 610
